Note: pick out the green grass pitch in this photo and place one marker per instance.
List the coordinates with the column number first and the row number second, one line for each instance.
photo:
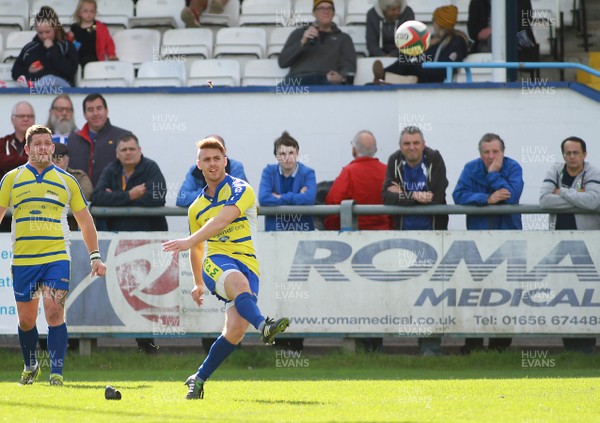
column 254, row 386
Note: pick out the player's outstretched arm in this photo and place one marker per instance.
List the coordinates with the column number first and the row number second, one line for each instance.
column 90, row 237
column 2, row 213
column 211, row 228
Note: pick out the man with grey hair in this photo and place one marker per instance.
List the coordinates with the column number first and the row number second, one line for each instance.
column 361, row 180
column 12, row 146
column 383, row 19
column 61, row 120
column 493, row 178
column 416, row 176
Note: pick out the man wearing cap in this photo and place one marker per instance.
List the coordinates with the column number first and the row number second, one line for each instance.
column 319, row 53
column 447, row 45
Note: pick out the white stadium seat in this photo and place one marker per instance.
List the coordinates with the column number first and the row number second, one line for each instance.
column 15, row 41
column 358, row 33
column 424, row 8
column 277, row 39
column 364, row 68
column 160, row 74
column 6, row 80
column 264, row 12
column 153, row 13
column 108, row 74
column 115, row 12
column 229, row 17
column 14, row 13
column 218, row 72
column 357, row 11
column 63, row 8
column 137, row 45
column 477, row 74
column 241, row 41
column 188, row 42
column 263, row 72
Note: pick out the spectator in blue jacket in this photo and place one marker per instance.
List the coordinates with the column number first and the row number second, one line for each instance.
column 194, row 182
column 491, row 179
column 287, row 183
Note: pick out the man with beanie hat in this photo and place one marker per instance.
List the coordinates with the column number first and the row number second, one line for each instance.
column 447, row 45
column 319, row 53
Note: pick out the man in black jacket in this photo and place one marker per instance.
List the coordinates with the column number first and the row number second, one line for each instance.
column 416, row 175
column 136, row 181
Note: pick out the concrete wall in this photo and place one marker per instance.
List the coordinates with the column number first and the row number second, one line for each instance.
column 532, row 121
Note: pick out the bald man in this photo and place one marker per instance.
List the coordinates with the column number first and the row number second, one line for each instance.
column 361, row 180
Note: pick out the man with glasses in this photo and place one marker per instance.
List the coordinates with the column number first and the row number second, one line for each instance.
column 493, row 178
column 573, row 184
column 94, row 146
column 61, row 120
column 319, row 53
column 12, row 146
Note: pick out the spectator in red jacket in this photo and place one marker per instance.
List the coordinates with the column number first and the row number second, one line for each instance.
column 91, row 37
column 361, row 180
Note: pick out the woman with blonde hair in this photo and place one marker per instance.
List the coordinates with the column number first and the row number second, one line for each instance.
column 90, row 36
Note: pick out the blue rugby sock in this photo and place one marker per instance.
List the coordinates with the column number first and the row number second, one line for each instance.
column 219, row 351
column 28, row 341
column 57, row 347
column 245, row 304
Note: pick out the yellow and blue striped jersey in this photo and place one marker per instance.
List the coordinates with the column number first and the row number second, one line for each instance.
column 40, row 203
column 236, row 239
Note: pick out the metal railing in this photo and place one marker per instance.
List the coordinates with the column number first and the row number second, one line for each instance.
column 450, row 66
column 349, row 211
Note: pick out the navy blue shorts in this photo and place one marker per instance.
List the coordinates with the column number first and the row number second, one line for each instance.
column 27, row 279
column 216, row 268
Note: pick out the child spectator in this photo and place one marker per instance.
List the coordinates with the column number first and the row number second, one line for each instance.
column 91, row 37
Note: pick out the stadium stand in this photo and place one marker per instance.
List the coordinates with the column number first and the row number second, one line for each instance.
column 6, row 80
column 214, row 72
column 359, row 38
column 14, row 13
column 364, row 68
column 463, row 10
column 477, row 74
column 277, row 39
column 137, row 45
column 189, row 42
column 63, row 8
column 264, row 12
column 157, row 13
column 15, row 41
column 115, row 13
column 241, row 42
column 230, row 16
column 160, row 74
column 424, row 8
column 263, row 72
column 356, row 13
column 108, row 74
